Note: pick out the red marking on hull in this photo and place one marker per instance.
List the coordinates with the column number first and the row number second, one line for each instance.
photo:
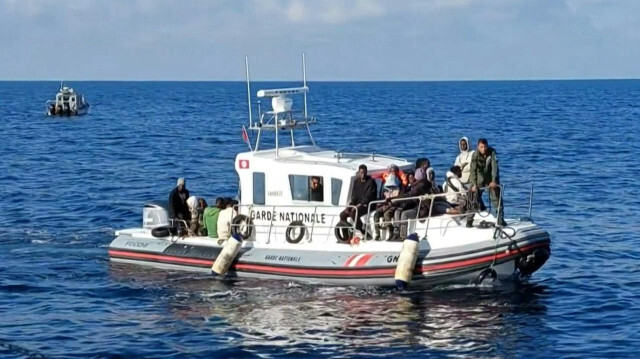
column 160, row 257
column 323, row 272
column 362, row 261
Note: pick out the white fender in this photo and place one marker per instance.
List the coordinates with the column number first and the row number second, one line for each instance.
column 407, row 261
column 227, row 255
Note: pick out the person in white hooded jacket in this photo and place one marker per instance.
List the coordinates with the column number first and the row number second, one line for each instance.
column 464, row 159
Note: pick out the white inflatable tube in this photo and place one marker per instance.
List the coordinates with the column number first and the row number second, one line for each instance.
column 227, row 255
column 407, row 261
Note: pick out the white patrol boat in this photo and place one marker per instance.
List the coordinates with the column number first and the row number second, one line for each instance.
column 67, row 103
column 283, row 231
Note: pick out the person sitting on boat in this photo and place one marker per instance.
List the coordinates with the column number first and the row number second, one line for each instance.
column 316, row 189
column 202, row 203
column 392, row 188
column 411, row 179
column 456, row 190
column 210, row 217
column 408, row 209
column 485, row 172
column 178, row 208
column 225, row 217
column 422, row 164
column 397, row 173
column 363, row 191
column 464, row 159
column 196, row 212
column 431, row 177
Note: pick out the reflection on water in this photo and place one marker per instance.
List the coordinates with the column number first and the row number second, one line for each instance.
column 277, row 314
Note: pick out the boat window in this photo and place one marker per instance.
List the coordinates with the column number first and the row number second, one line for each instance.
column 306, row 188
column 258, row 188
column 336, row 186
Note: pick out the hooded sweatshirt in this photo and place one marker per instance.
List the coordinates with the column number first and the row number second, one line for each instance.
column 224, row 222
column 431, row 177
column 196, row 216
column 464, row 161
column 210, row 221
column 452, row 186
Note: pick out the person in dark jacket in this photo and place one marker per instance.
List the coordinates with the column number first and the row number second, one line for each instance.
column 485, row 173
column 178, row 208
column 409, row 209
column 362, row 193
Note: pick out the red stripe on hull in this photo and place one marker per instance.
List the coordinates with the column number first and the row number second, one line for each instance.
column 322, row 272
column 160, row 257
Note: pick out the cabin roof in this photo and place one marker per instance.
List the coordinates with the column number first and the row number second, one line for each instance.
column 318, row 156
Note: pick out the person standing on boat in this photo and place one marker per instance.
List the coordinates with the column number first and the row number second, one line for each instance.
column 362, row 193
column 485, row 173
column 464, row 160
column 178, row 208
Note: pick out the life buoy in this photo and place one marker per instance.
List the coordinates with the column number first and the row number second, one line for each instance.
column 242, row 225
column 483, row 275
column 344, row 232
column 293, row 226
column 164, row 231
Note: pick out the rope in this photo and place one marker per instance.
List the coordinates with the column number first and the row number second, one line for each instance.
column 473, row 204
column 500, row 232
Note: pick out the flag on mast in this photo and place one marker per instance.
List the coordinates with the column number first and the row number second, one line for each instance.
column 245, row 137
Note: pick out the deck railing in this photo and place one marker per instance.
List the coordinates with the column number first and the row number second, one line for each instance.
column 248, row 210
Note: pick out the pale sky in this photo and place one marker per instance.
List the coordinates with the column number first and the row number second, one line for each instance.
column 343, row 39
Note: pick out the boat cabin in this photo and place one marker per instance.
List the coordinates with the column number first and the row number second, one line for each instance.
column 298, row 183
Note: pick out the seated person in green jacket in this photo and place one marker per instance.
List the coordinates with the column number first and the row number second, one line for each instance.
column 210, row 218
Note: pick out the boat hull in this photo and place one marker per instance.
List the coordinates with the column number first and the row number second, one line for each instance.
column 81, row 111
column 369, row 264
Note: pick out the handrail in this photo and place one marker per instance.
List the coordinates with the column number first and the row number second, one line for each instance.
column 273, row 208
column 444, row 194
column 344, row 154
column 242, row 209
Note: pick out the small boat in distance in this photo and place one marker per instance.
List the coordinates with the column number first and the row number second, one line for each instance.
column 67, row 103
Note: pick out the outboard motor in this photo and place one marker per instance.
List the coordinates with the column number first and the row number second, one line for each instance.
column 155, row 214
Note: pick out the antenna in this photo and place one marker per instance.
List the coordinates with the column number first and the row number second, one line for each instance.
column 304, row 83
column 246, row 62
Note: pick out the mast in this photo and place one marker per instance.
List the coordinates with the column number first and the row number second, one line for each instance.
column 246, row 62
column 304, row 83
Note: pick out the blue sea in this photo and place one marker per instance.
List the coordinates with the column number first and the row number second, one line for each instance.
column 66, row 184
